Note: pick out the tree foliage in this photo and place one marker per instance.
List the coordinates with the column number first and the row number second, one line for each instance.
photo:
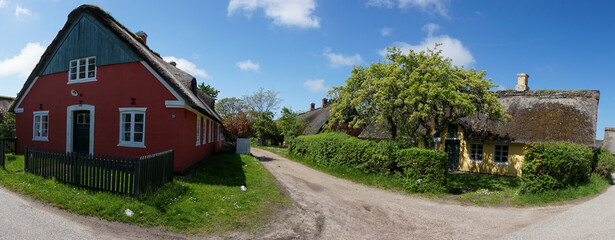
column 7, row 123
column 290, row 124
column 237, row 126
column 416, row 95
column 209, row 90
column 262, row 101
column 266, row 129
column 227, row 107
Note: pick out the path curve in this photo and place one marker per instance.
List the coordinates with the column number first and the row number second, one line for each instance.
column 333, row 208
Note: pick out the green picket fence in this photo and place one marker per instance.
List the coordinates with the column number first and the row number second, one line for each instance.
column 123, row 175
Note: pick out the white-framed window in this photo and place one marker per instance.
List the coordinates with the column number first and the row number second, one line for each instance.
column 132, row 127
column 500, row 154
column 204, row 138
column 476, row 152
column 211, row 128
column 40, row 128
column 82, row 70
column 198, row 130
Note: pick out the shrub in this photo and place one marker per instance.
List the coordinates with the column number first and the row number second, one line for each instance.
column 554, row 165
column 605, row 164
column 424, row 170
column 384, row 157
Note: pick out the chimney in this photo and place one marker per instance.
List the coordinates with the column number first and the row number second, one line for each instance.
column 324, row 103
column 142, row 35
column 312, row 106
column 609, row 139
column 173, row 63
column 522, row 82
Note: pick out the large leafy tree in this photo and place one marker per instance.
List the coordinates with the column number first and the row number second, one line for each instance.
column 237, row 126
column 266, row 129
column 415, row 95
column 209, row 90
column 7, row 123
column 262, row 101
column 230, row 107
column 290, row 124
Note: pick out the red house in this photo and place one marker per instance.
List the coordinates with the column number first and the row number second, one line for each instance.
column 99, row 89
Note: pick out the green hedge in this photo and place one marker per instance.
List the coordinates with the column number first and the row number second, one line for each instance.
column 605, row 163
column 383, row 157
column 555, row 165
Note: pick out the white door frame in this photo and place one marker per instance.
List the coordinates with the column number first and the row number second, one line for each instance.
column 69, row 125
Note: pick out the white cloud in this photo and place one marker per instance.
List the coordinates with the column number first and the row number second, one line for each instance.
column 315, row 85
column 248, row 65
column 386, row 31
column 431, row 28
column 338, row 60
column 2, row 3
column 296, row 13
column 451, row 47
column 187, row 66
column 429, row 6
column 20, row 12
column 22, row 64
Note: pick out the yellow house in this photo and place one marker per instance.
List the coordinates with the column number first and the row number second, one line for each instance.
column 484, row 146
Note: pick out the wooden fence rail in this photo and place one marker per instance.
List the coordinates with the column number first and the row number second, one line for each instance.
column 124, row 175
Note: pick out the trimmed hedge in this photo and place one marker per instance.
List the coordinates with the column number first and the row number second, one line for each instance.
column 384, row 157
column 555, row 165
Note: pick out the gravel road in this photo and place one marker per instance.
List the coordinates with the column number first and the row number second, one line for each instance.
column 333, row 208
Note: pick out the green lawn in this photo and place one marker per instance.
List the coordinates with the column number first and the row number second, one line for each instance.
column 207, row 201
column 467, row 188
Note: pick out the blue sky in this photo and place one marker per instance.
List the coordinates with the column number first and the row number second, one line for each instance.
column 301, row 48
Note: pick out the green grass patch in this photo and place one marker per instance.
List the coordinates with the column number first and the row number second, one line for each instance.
column 207, row 201
column 467, row 188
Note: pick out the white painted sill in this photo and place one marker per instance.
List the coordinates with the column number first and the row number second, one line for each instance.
column 475, row 161
column 501, row 163
column 42, row 139
column 82, row 80
column 135, row 145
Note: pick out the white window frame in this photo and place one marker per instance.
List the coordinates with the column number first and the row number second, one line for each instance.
column 198, row 130
column 482, row 154
column 211, row 127
column 495, row 154
column 38, row 135
column 132, row 142
column 204, row 124
column 87, row 64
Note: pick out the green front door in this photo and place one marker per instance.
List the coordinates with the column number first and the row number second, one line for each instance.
column 451, row 147
column 81, row 131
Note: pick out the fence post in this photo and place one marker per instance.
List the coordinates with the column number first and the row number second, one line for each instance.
column 26, row 160
column 2, row 157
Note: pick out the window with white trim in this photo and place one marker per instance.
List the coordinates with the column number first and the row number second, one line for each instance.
column 204, row 138
column 198, row 130
column 40, row 129
column 132, row 127
column 82, row 70
column 476, row 152
column 500, row 154
column 211, row 128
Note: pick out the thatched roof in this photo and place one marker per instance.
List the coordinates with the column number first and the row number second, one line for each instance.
column 5, row 102
column 179, row 80
column 538, row 116
column 315, row 120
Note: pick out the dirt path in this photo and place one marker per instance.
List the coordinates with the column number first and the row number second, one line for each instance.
column 333, row 208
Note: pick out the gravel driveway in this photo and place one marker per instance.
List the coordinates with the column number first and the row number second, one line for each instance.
column 333, row 208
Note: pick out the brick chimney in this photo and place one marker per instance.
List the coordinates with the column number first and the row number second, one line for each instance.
column 324, row 103
column 312, row 106
column 522, row 82
column 142, row 35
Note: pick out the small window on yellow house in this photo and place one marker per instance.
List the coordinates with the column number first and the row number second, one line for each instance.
column 500, row 154
column 476, row 152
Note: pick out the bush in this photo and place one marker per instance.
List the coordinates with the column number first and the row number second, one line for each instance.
column 605, row 164
column 384, row 157
column 424, row 170
column 554, row 165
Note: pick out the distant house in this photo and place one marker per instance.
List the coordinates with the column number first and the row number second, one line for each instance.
column 479, row 145
column 5, row 102
column 609, row 140
column 99, row 89
column 318, row 118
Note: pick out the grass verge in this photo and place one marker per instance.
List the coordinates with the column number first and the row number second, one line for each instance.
column 207, row 201
column 467, row 188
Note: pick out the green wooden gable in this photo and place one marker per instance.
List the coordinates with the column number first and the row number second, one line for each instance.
column 87, row 37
